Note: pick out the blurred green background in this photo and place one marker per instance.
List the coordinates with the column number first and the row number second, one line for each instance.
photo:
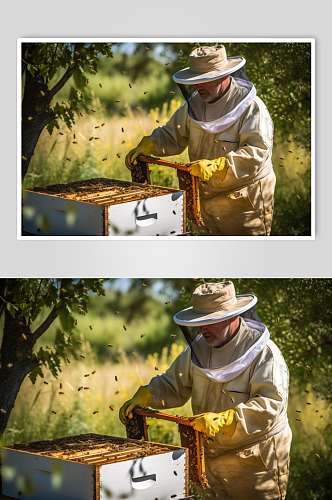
column 139, row 76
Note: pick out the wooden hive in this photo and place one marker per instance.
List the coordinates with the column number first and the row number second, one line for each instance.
column 103, row 207
column 95, row 467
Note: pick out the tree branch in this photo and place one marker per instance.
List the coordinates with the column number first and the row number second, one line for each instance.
column 63, row 80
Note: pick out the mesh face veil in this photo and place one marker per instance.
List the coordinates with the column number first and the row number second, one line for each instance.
column 191, row 95
column 194, row 337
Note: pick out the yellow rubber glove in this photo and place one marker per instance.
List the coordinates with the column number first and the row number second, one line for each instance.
column 205, row 169
column 141, row 399
column 145, row 147
column 211, row 423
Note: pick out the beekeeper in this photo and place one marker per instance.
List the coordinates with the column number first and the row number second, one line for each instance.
column 238, row 383
column 229, row 134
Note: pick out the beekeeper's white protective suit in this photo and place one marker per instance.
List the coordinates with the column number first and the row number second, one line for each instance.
column 253, row 463
column 238, row 126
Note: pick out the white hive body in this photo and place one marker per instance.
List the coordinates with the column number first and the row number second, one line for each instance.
column 103, row 207
column 142, row 470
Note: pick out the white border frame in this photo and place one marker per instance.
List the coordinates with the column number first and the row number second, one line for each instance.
column 161, row 40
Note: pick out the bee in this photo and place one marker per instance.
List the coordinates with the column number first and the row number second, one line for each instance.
column 143, row 335
column 278, row 319
column 95, row 412
column 9, row 365
column 123, row 72
column 313, row 343
column 146, row 92
column 175, row 472
column 100, row 85
column 122, row 129
column 86, row 388
column 156, row 368
column 163, row 151
column 290, row 151
column 224, row 148
column 289, row 120
column 74, row 142
column 295, row 136
column 233, row 400
column 281, row 165
column 130, row 86
column 24, row 336
column 319, row 330
column 81, row 114
column 87, row 375
column 82, row 356
column 116, row 312
column 297, row 196
column 87, row 80
column 263, row 78
column 173, row 496
column 168, row 302
column 110, row 345
column 96, row 138
column 298, row 411
column 90, row 326
column 91, row 138
column 308, row 403
column 68, row 159
column 116, row 392
column 111, row 408
column 61, row 392
column 54, row 412
column 92, row 70
column 23, row 158
column 166, row 64
column 97, row 126
column 216, row 141
column 102, row 124
column 290, row 352
column 77, row 53
column 63, row 102
column 157, row 121
column 146, row 48
column 116, row 378
column 80, row 388
column 171, row 92
column 308, row 367
column 163, row 402
column 93, row 110
column 297, row 364
column 3, row 411
column 76, row 321
column 298, row 419
column 291, row 362
column 104, row 159
column 68, row 360
column 317, row 455
column 280, row 118
column 70, row 416
column 172, row 336
column 30, row 118
column 91, row 98
column 117, row 101
column 118, row 155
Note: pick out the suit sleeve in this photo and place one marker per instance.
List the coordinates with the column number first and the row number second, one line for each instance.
column 172, row 138
column 173, row 388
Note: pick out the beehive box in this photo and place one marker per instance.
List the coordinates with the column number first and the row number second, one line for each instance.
column 103, row 207
column 95, row 467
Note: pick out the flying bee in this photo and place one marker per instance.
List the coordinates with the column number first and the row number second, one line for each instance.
column 96, row 138
column 30, row 118
column 93, row 110
column 289, row 120
column 308, row 403
column 130, row 86
column 87, row 375
column 82, row 356
column 90, row 326
column 80, row 388
column 290, row 352
column 117, row 101
column 168, row 302
column 61, row 392
column 143, row 335
column 290, row 151
column 278, row 319
column 100, row 85
column 116, row 378
column 95, row 412
column 281, row 165
column 54, row 412
column 281, row 158
column 118, row 155
column 298, row 411
column 23, row 158
column 46, row 383
column 81, row 114
column 110, row 345
column 116, row 312
column 233, row 400
column 91, row 138
column 297, row 196
column 102, row 124
column 76, row 322
column 86, row 388
column 68, row 159
column 9, row 365
column 313, row 343
column 157, row 121
column 156, row 367
column 123, row 72
column 63, row 102
column 172, row 336
column 97, row 126
column 298, row 419
column 3, row 411
column 104, row 159
column 122, row 129
column 224, row 148
column 308, row 367
column 68, row 360
column 94, row 371
column 317, row 455
column 146, row 48
column 171, row 92
column 24, row 336
column 124, row 327
column 166, row 64
column 42, row 93
column 74, row 142
column 297, row 364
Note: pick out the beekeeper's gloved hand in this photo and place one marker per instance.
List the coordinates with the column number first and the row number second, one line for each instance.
column 141, row 399
column 211, row 423
column 204, row 169
column 145, row 147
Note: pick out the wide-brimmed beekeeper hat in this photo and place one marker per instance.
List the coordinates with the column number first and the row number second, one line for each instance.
column 214, row 302
column 208, row 63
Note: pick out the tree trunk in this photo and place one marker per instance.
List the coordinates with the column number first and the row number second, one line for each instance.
column 15, row 351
